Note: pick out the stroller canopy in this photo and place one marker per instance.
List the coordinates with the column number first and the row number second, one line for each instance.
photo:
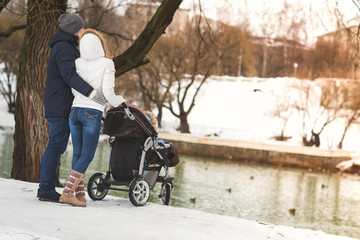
column 119, row 125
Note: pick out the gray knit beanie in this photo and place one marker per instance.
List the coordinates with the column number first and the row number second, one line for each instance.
column 70, row 23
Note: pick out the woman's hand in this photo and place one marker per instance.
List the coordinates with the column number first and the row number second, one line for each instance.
column 121, row 99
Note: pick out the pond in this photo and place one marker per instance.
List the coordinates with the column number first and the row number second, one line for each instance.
column 293, row 197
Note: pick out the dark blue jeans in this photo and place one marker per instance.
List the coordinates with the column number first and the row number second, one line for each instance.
column 59, row 132
column 85, row 131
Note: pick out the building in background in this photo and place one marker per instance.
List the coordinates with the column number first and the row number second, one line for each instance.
column 347, row 40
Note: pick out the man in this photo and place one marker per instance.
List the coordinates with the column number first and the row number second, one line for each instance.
column 61, row 77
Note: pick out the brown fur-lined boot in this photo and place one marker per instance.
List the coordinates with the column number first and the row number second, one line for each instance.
column 80, row 192
column 72, row 183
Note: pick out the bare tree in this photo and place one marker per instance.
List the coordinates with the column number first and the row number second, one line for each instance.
column 8, row 85
column 351, row 105
column 10, row 47
column 328, row 59
column 236, row 56
column 318, row 105
column 350, row 117
column 155, row 87
column 268, row 31
column 283, row 111
column 352, row 38
column 278, row 37
column 187, row 62
column 181, row 63
column 349, row 35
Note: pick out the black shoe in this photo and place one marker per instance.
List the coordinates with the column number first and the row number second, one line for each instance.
column 49, row 197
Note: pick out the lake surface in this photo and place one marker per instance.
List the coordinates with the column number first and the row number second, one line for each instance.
column 322, row 201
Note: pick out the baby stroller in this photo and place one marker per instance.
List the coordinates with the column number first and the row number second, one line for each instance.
column 136, row 158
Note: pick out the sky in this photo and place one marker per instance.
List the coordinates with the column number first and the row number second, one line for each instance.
column 261, row 15
column 318, row 13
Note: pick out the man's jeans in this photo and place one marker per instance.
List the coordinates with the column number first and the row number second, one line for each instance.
column 85, row 126
column 58, row 140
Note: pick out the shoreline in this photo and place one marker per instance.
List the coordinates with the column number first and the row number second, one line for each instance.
column 273, row 154
column 300, row 157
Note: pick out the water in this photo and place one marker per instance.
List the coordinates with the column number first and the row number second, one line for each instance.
column 327, row 202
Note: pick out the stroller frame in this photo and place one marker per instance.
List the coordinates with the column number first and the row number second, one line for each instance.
column 139, row 188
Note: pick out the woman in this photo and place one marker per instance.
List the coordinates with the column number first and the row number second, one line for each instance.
column 95, row 67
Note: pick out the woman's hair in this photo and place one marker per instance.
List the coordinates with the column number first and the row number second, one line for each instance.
column 102, row 40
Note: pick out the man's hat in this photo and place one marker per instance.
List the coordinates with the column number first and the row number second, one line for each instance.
column 70, row 23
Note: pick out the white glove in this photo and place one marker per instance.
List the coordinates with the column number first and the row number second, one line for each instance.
column 121, row 99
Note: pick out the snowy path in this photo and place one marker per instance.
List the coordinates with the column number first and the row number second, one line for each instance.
column 24, row 217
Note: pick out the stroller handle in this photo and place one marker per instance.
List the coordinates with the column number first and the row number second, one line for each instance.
column 128, row 114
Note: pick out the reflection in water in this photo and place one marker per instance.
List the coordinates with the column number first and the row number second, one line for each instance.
column 327, row 202
column 6, row 151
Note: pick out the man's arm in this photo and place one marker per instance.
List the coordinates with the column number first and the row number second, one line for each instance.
column 66, row 63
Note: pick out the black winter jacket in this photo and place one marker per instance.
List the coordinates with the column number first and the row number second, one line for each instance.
column 62, row 76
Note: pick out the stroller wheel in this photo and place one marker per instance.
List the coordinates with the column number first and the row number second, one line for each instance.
column 165, row 194
column 139, row 191
column 97, row 187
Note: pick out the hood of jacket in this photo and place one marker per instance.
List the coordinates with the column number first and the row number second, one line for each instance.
column 61, row 36
column 92, row 45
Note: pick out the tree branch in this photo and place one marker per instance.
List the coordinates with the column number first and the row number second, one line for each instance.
column 116, row 34
column 139, row 64
column 135, row 54
column 11, row 30
column 3, row 4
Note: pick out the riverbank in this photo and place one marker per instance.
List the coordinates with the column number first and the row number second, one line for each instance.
column 24, row 217
column 292, row 156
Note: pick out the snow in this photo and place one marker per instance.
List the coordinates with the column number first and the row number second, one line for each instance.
column 240, row 108
column 7, row 121
column 231, row 109
column 24, row 217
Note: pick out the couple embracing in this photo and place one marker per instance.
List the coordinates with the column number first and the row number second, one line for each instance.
column 79, row 82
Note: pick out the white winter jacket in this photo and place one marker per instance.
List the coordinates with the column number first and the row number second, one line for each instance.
column 97, row 70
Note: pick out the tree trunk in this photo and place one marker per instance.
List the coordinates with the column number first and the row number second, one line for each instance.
column 340, row 145
column 159, row 116
column 264, row 63
column 31, row 127
column 184, row 125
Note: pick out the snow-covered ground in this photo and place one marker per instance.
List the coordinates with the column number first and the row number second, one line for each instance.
column 241, row 108
column 24, row 217
column 234, row 108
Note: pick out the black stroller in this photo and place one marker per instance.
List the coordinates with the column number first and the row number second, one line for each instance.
column 136, row 159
